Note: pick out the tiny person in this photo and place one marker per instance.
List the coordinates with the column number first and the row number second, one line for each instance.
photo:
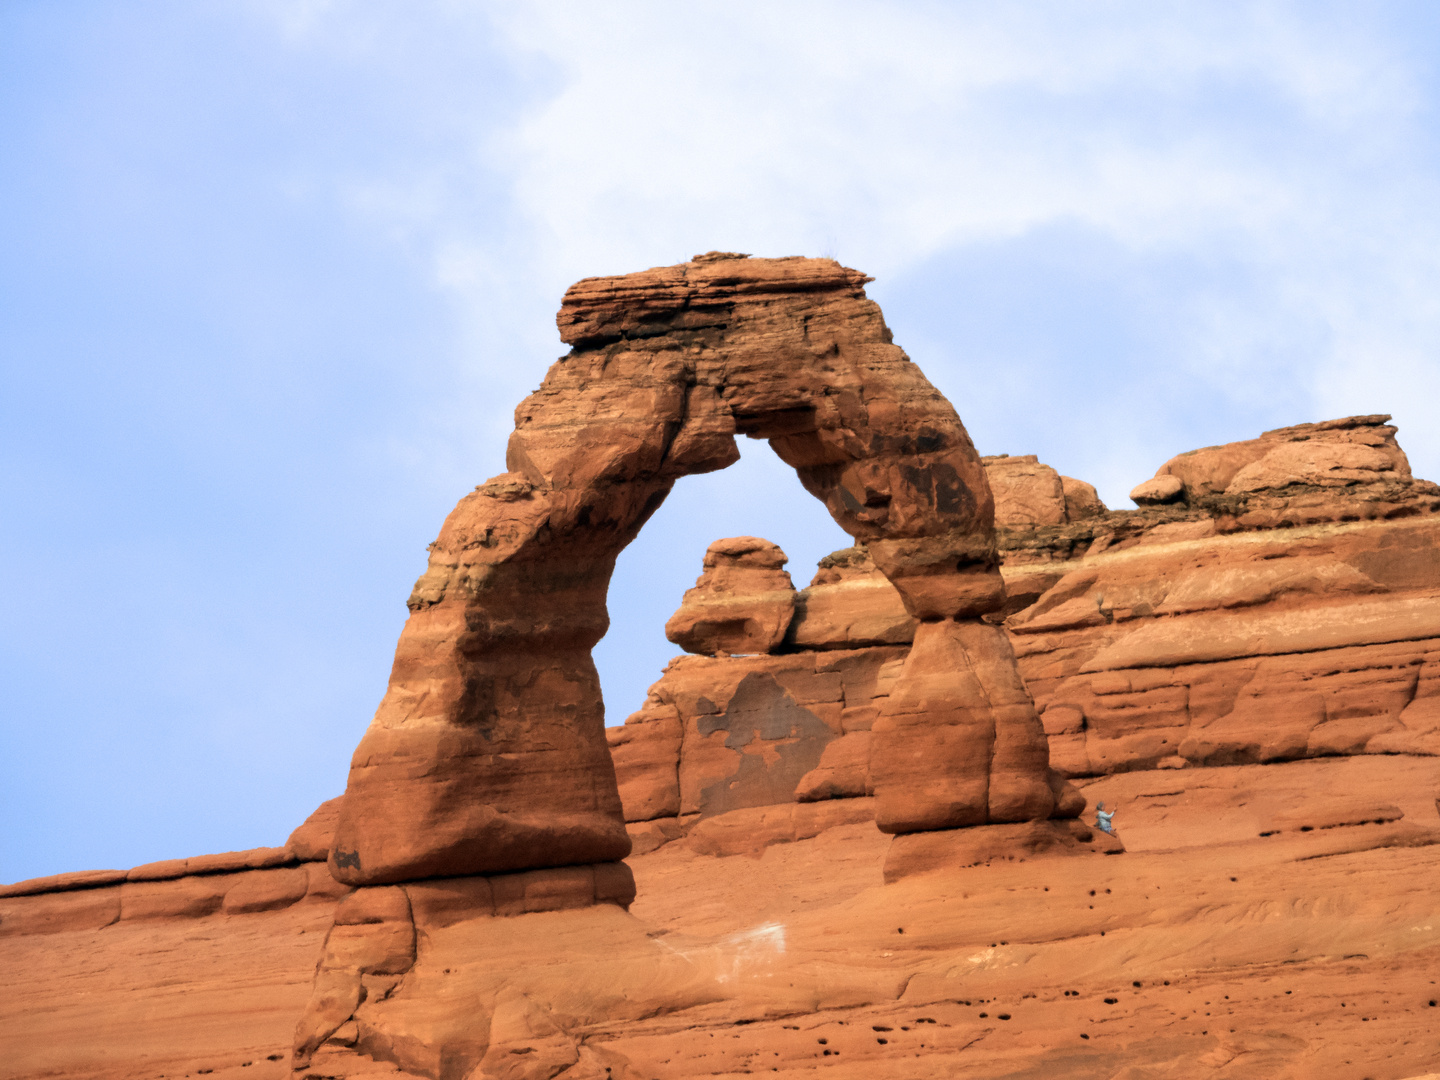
column 1102, row 819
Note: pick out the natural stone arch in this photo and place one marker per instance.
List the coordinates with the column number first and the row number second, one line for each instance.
column 487, row 753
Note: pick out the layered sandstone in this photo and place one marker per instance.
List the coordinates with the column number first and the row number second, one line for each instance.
column 767, row 939
column 1286, row 604
column 1246, row 667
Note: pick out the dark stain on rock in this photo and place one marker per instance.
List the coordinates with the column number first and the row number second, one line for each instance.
column 761, row 710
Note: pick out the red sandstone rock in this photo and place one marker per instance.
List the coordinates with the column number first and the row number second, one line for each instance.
column 162, row 870
column 1184, row 643
column 1029, row 493
column 931, row 852
column 59, row 911
column 182, row 898
column 1161, row 489
column 82, row 879
column 266, row 890
column 753, row 728
column 742, row 602
column 646, row 752
column 751, row 830
column 487, row 753
column 764, row 930
column 843, row 771
column 1082, row 501
column 229, row 861
column 1215, row 638
column 322, row 884
column 1351, row 450
column 958, row 741
column 1241, row 648
column 797, row 936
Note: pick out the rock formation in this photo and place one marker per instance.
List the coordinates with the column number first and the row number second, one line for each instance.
column 742, row 603
column 488, row 754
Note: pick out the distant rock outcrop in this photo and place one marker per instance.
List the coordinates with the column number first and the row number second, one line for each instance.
column 1028, row 493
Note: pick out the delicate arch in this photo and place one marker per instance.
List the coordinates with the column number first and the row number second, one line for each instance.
column 487, row 753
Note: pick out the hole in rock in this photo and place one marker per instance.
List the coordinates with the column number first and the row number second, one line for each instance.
column 757, row 496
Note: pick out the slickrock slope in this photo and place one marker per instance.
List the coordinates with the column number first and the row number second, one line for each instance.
column 175, row 968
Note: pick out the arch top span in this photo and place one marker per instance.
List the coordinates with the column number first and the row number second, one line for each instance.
column 487, row 753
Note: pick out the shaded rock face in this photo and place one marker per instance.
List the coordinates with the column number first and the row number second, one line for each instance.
column 742, row 603
column 721, row 734
column 487, row 753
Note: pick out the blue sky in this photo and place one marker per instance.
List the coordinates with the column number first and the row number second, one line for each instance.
column 273, row 277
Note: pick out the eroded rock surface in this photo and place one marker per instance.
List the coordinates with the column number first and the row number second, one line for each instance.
column 1257, row 703
column 1028, row 492
column 1286, row 605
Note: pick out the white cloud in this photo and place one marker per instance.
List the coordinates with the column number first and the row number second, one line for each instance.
column 1281, row 145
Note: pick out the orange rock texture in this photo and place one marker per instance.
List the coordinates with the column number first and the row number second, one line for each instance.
column 742, row 603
